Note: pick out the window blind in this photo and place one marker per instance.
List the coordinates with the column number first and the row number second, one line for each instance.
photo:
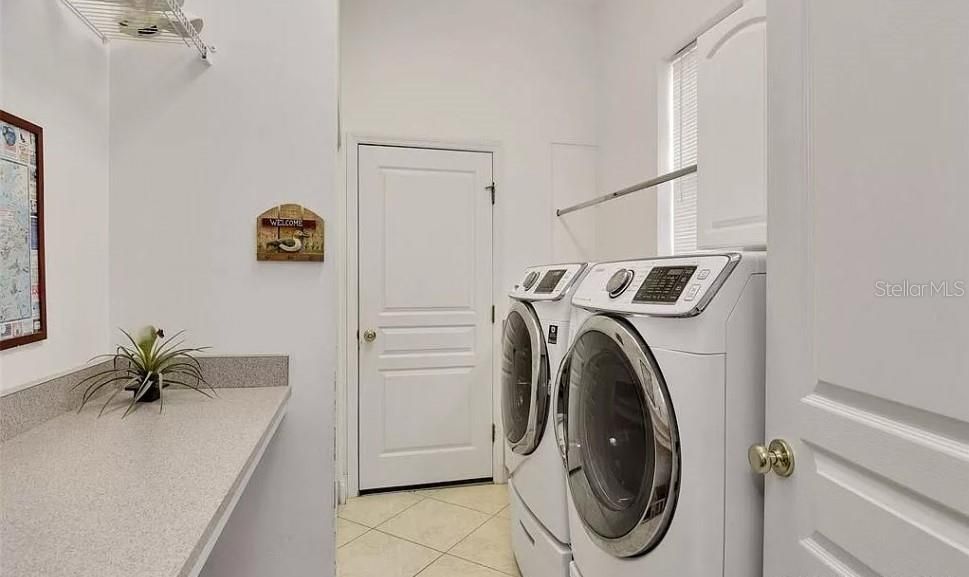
column 684, row 141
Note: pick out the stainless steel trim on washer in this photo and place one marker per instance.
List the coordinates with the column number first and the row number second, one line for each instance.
column 538, row 407
column 560, row 411
column 564, row 290
column 574, row 279
column 733, row 258
column 665, row 484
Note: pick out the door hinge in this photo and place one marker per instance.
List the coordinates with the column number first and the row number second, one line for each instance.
column 492, row 432
column 492, row 314
column 492, row 189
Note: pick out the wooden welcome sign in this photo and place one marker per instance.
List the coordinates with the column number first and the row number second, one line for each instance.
column 289, row 232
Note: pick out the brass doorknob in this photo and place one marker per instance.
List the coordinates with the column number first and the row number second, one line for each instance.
column 777, row 457
column 370, row 335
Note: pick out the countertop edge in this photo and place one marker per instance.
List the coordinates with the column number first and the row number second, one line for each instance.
column 33, row 404
column 196, row 561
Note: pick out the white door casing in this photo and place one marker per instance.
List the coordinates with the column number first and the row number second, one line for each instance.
column 425, row 289
column 869, row 109
column 732, row 130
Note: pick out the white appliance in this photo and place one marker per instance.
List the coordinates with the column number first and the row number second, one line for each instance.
column 535, row 339
column 663, row 392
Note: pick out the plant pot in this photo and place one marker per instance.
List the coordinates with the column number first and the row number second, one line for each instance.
column 151, row 395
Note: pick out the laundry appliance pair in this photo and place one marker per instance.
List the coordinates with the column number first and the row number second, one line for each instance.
column 631, row 391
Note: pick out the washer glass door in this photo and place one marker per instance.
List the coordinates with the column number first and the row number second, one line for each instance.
column 623, row 453
column 561, row 403
column 524, row 379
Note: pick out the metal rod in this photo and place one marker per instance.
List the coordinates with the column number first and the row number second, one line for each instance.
column 636, row 187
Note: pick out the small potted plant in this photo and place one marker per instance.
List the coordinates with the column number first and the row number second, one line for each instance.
column 146, row 367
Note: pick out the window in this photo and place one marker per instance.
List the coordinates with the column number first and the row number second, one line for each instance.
column 683, row 138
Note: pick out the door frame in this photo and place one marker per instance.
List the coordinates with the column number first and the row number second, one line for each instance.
column 347, row 482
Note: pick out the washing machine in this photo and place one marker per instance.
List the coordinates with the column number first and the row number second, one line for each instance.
column 662, row 394
column 534, row 340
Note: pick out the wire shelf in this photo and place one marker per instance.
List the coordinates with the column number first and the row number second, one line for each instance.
column 156, row 21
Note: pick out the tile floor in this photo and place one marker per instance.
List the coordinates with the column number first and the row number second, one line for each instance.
column 448, row 532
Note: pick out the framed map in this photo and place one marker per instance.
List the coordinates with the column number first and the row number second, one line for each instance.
column 23, row 310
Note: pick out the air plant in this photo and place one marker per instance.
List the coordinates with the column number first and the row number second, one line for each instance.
column 146, row 367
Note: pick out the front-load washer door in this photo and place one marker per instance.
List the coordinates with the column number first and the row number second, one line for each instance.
column 623, row 447
column 524, row 379
column 560, row 407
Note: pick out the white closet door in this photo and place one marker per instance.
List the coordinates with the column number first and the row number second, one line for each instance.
column 732, row 130
column 425, row 316
column 867, row 378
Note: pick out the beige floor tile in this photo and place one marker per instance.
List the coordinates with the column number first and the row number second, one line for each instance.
column 347, row 531
column 372, row 510
column 434, row 524
column 448, row 566
column 485, row 498
column 379, row 555
column 505, row 513
column 490, row 545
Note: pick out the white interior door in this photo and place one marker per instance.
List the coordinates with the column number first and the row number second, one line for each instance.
column 425, row 245
column 732, row 130
column 868, row 357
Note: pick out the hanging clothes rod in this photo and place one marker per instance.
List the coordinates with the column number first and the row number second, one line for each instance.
column 636, row 187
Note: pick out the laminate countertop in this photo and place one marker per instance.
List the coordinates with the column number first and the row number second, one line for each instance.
column 144, row 496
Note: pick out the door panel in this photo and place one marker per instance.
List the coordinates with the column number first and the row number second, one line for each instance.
column 425, row 290
column 732, row 130
column 406, row 393
column 866, row 381
column 421, row 209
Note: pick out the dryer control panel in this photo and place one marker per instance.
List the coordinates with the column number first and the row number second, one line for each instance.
column 674, row 287
column 547, row 282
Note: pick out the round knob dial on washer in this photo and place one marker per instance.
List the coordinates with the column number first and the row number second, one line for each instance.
column 619, row 282
column 530, row 279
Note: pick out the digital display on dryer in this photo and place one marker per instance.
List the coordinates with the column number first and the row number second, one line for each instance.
column 550, row 281
column 664, row 284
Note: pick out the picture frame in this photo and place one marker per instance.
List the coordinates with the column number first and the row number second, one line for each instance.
column 23, row 294
column 289, row 233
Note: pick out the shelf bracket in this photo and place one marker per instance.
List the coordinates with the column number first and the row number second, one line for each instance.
column 193, row 39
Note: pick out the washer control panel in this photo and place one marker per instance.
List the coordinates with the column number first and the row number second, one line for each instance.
column 530, row 279
column 547, row 282
column 619, row 282
column 677, row 286
column 665, row 284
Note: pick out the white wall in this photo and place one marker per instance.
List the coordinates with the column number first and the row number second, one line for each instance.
column 574, row 179
column 54, row 73
column 197, row 153
column 518, row 73
column 637, row 40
